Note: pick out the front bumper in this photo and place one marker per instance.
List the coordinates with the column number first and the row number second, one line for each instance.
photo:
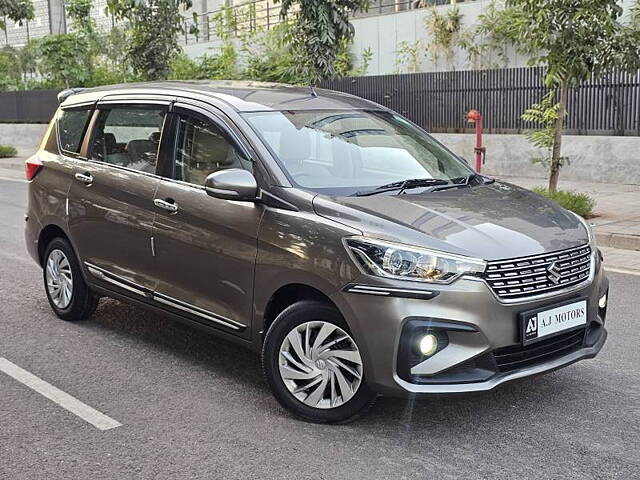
column 467, row 362
column 499, row 378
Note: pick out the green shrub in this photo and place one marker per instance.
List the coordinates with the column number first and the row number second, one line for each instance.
column 579, row 203
column 7, row 151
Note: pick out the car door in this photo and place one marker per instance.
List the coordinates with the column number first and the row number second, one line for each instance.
column 205, row 247
column 111, row 198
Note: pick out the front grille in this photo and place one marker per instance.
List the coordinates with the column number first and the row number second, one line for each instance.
column 517, row 356
column 523, row 277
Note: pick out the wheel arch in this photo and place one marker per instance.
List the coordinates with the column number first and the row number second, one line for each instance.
column 46, row 235
column 287, row 295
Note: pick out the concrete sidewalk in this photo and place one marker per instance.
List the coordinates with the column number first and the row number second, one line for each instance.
column 617, row 212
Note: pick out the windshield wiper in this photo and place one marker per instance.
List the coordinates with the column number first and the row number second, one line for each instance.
column 461, row 182
column 403, row 185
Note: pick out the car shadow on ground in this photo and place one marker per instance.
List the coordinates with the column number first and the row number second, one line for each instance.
column 520, row 401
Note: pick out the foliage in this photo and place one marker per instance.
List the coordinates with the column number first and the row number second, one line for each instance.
column 634, row 15
column 408, row 57
column 7, row 151
column 545, row 114
column 629, row 40
column 213, row 67
column 182, row 67
column 79, row 11
column 488, row 44
column 154, row 28
column 270, row 57
column 445, row 34
column 319, row 28
column 579, row 203
column 16, row 10
column 345, row 65
column 574, row 40
column 10, row 77
column 87, row 57
column 115, row 58
column 63, row 60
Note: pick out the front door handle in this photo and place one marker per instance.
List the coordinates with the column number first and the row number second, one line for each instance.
column 168, row 205
column 85, row 178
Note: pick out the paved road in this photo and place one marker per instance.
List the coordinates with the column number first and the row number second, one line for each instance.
column 192, row 406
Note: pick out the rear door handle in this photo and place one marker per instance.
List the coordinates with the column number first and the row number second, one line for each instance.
column 85, row 178
column 169, row 206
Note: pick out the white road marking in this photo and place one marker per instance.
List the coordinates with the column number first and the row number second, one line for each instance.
column 63, row 399
column 621, row 270
column 9, row 179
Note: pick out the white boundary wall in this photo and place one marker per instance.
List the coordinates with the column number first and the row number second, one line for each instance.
column 593, row 158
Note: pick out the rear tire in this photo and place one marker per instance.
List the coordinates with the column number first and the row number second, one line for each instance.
column 68, row 294
column 313, row 365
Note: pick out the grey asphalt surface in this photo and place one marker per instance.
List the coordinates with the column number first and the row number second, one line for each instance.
column 193, row 406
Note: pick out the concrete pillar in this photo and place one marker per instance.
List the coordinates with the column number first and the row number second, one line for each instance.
column 57, row 17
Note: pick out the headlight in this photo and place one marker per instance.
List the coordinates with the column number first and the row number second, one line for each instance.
column 404, row 262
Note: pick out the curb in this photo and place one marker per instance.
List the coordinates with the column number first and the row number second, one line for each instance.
column 618, row 240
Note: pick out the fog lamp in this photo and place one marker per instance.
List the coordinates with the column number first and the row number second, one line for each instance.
column 602, row 303
column 428, row 345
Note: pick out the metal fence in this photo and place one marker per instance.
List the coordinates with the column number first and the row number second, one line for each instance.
column 34, row 106
column 438, row 101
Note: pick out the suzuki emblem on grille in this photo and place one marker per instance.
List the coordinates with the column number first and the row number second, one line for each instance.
column 553, row 274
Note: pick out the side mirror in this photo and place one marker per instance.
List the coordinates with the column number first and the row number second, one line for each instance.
column 232, row 184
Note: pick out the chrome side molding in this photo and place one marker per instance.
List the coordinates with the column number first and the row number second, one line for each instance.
column 390, row 291
column 186, row 307
column 118, row 281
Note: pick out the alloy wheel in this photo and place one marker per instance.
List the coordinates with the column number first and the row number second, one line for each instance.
column 59, row 279
column 320, row 364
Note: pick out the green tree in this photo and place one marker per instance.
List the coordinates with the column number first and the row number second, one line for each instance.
column 63, row 61
column 445, row 34
column 488, row 43
column 575, row 40
column 319, row 29
column 10, row 77
column 79, row 11
column 544, row 114
column 16, row 10
column 154, row 26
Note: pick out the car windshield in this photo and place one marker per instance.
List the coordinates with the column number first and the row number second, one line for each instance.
column 350, row 151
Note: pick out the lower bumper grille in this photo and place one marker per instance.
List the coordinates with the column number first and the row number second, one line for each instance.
column 518, row 356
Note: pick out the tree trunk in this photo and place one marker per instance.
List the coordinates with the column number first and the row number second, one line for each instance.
column 554, row 170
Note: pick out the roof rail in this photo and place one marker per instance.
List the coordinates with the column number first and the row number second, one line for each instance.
column 64, row 94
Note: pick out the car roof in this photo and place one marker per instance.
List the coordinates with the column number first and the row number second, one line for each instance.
column 243, row 96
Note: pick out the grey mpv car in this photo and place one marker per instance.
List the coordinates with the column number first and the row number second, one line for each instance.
column 341, row 241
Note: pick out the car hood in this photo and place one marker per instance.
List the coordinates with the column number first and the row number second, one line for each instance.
column 491, row 221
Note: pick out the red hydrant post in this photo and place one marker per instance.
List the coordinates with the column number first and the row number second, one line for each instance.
column 474, row 116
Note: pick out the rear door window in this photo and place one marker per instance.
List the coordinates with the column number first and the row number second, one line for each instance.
column 71, row 127
column 129, row 137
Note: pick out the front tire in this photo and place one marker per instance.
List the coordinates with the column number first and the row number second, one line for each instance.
column 68, row 294
column 313, row 365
